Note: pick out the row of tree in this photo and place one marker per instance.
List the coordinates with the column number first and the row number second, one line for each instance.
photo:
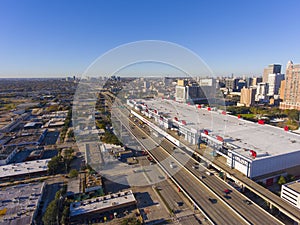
column 270, row 112
column 66, row 125
column 58, row 210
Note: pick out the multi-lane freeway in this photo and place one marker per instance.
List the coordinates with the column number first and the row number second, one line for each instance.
column 208, row 192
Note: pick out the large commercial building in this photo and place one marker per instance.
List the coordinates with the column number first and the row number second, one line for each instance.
column 14, row 123
column 254, row 149
column 291, row 193
column 27, row 137
column 291, row 98
column 271, row 69
column 23, row 170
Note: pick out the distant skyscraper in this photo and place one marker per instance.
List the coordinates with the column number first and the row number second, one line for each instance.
column 248, row 96
column 182, row 82
column 167, row 81
column 282, row 89
column 273, row 68
column 240, row 84
column 189, row 92
column 291, row 98
column 146, row 84
column 256, row 80
column 261, row 92
column 249, row 81
column 274, row 81
column 231, row 83
column 208, row 87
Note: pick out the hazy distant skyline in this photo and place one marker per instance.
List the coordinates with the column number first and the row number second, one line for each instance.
column 62, row 38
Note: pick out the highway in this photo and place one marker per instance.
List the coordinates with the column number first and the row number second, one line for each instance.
column 262, row 192
column 218, row 212
column 252, row 213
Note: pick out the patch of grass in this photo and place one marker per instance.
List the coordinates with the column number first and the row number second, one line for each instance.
column 248, row 116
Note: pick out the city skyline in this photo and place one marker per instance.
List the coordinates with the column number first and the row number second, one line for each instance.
column 59, row 39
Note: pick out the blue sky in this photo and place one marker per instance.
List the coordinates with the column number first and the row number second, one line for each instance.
column 61, row 38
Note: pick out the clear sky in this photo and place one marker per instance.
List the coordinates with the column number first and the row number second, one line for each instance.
column 61, row 38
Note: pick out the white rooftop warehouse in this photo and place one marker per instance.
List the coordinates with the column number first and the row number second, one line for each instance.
column 252, row 148
column 18, row 169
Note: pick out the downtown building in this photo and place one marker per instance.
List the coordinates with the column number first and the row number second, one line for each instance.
column 261, row 93
column 274, row 81
column 271, row 69
column 248, row 96
column 291, row 95
column 190, row 92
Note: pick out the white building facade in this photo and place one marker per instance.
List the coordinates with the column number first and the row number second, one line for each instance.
column 291, row 193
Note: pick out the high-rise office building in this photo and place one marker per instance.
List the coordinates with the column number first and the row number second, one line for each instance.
column 282, row 89
column 248, row 96
column 189, row 92
column 273, row 68
column 256, row 80
column 240, row 84
column 261, row 93
column 231, row 83
column 249, row 81
column 182, row 82
column 291, row 99
column 274, row 81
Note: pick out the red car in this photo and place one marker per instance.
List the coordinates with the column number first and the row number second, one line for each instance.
column 226, row 191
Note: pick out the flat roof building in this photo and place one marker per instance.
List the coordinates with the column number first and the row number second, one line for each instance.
column 95, row 207
column 255, row 149
column 19, row 204
column 6, row 154
column 21, row 170
column 291, row 193
column 27, row 137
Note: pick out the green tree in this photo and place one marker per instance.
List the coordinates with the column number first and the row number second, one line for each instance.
column 50, row 216
column 54, row 165
column 130, row 221
column 73, row 173
column 293, row 114
column 71, row 134
column 281, row 180
column 68, row 157
column 65, row 215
